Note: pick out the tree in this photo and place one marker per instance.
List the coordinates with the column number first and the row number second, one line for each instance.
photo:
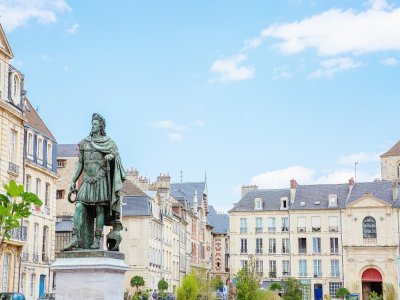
column 248, row 281
column 189, row 288
column 275, row 287
column 389, row 291
column 342, row 293
column 162, row 285
column 292, row 289
column 14, row 206
column 217, row 283
column 137, row 281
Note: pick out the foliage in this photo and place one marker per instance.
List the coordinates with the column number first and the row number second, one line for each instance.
column 327, row 297
column 342, row 292
column 14, row 206
column 217, row 283
column 292, row 289
column 128, row 294
column 146, row 294
column 266, row 295
column 248, row 281
column 275, row 287
column 137, row 281
column 162, row 285
column 204, row 282
column 389, row 292
column 374, row 296
column 189, row 288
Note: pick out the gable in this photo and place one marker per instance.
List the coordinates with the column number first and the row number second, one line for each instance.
column 368, row 200
column 4, row 45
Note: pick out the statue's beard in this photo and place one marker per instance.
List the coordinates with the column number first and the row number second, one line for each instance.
column 93, row 132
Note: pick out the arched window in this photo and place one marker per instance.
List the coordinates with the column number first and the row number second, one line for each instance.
column 369, row 228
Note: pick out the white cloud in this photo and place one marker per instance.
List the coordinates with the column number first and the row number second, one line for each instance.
column 199, row 123
column 389, row 61
column 281, row 178
column 338, row 31
column 16, row 13
column 175, row 136
column 332, row 66
column 361, row 157
column 281, row 72
column 230, row 70
column 73, row 29
column 253, row 43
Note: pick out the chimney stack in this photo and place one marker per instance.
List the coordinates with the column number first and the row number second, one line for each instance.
column 293, row 187
column 395, row 189
column 351, row 184
column 248, row 188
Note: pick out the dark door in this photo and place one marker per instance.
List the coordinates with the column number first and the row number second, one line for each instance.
column 318, row 291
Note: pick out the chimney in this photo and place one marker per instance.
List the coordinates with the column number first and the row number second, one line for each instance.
column 248, row 188
column 395, row 189
column 143, row 183
column 163, row 182
column 351, row 184
column 132, row 175
column 293, row 187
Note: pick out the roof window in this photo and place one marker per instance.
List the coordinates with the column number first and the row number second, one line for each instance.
column 333, row 200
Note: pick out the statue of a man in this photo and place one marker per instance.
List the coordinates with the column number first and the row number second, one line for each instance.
column 99, row 194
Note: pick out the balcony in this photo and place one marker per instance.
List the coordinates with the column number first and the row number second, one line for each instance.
column 318, row 275
column 285, row 273
column 45, row 257
column 272, row 274
column 302, row 274
column 259, row 251
column 302, row 250
column 272, row 229
column 336, row 274
column 35, row 257
column 316, row 229
column 46, row 210
column 25, row 256
column 334, row 251
column 285, row 229
column 301, row 229
column 272, row 250
column 369, row 241
column 13, row 168
column 333, row 229
column 243, row 230
column 243, row 251
column 19, row 234
column 259, row 229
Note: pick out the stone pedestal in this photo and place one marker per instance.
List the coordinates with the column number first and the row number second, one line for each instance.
column 90, row 275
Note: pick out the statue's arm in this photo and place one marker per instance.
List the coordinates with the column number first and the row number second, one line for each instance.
column 77, row 172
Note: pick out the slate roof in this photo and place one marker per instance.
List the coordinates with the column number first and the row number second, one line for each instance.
column 185, row 190
column 67, row 150
column 394, row 151
column 65, row 225
column 35, row 121
column 136, row 206
column 219, row 222
column 309, row 194
column 271, row 199
column 131, row 189
column 382, row 190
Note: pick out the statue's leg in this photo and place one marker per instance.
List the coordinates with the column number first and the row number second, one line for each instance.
column 76, row 231
column 99, row 226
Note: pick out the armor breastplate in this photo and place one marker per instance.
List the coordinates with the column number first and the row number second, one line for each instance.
column 94, row 164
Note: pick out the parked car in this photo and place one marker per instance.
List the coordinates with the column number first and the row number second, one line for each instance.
column 12, row 296
column 48, row 296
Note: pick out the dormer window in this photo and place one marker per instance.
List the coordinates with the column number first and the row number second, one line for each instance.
column 15, row 94
column 258, row 204
column 29, row 144
column 333, row 200
column 39, row 150
column 284, row 203
column 49, row 155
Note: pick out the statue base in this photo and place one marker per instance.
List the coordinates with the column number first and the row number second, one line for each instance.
column 89, row 275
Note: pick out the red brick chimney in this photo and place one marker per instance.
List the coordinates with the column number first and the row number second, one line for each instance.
column 293, row 187
column 293, row 183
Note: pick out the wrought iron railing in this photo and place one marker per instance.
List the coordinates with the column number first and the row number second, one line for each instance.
column 35, row 257
column 19, row 233
column 13, row 168
column 25, row 256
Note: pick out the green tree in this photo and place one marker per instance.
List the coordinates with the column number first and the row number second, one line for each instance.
column 342, row 293
column 248, row 281
column 389, row 292
column 189, row 288
column 14, row 206
column 162, row 286
column 292, row 289
column 137, row 281
column 275, row 287
column 217, row 283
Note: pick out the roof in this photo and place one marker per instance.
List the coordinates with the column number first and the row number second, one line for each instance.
column 65, row 225
column 383, row 190
column 131, row 189
column 219, row 222
column 67, row 150
column 35, row 121
column 136, row 206
column 394, row 151
column 271, row 199
column 186, row 190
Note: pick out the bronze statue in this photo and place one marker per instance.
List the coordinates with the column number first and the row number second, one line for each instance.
column 98, row 200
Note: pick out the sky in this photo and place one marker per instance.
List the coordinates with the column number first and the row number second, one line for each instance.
column 243, row 92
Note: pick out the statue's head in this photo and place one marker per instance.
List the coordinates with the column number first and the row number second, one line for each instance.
column 98, row 124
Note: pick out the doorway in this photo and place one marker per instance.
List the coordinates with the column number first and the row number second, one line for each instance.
column 371, row 282
column 318, row 294
column 42, row 285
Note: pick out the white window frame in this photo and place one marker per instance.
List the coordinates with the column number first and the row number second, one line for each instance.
column 39, row 148
column 49, row 154
column 13, row 145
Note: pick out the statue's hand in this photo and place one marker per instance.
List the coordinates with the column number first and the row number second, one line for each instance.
column 72, row 187
column 109, row 157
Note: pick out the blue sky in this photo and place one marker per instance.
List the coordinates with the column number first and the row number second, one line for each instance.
column 249, row 91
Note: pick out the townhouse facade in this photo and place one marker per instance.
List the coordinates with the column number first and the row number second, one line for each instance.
column 327, row 235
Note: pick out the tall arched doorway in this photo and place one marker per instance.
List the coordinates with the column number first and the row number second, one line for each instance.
column 371, row 281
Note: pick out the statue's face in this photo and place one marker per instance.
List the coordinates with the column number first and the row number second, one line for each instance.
column 96, row 126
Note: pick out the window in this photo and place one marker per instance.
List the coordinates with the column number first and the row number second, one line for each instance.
column 272, row 246
column 32, row 285
column 302, row 268
column 22, row 283
column 38, row 187
column 317, row 268
column 284, row 203
column 285, row 224
column 316, row 224
column 259, row 246
column 61, row 163
column 13, row 145
column 271, row 224
column 35, row 238
column 285, row 268
column 316, row 245
column 259, row 226
column 334, row 287
column 243, row 225
column 335, row 268
column 243, row 263
column 47, row 195
column 259, row 267
column 60, row 194
column 333, row 224
column 28, row 183
column 285, row 246
column 45, row 256
column 5, row 273
column 258, row 205
column 369, row 228
column 49, row 154
column 39, row 151
column 332, row 200
column 301, row 224
column 272, row 269
column 29, row 144
column 334, row 245
column 302, row 245
column 243, row 246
